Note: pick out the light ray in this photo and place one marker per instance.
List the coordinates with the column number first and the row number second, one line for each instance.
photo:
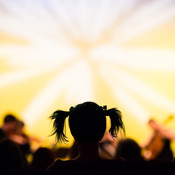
column 79, row 82
column 53, row 55
column 145, row 91
column 83, row 17
column 150, row 59
column 63, row 15
column 24, row 14
column 130, row 104
column 108, row 14
column 139, row 59
column 39, row 18
column 138, row 26
column 123, row 96
column 101, row 19
column 75, row 80
column 22, row 28
column 17, row 28
column 17, row 76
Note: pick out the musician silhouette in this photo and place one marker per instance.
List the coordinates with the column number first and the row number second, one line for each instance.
column 158, row 147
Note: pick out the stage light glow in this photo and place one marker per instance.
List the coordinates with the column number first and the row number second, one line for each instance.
column 78, row 77
column 55, row 54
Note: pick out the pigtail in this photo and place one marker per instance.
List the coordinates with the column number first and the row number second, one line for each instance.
column 58, row 124
column 116, row 121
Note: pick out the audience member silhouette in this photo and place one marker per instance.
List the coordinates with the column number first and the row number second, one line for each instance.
column 11, row 158
column 21, row 138
column 9, row 126
column 42, row 158
column 129, row 150
column 87, row 122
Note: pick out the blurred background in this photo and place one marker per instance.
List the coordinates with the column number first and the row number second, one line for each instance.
column 55, row 54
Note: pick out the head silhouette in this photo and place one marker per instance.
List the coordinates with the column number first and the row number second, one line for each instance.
column 129, row 149
column 87, row 122
column 9, row 124
column 42, row 158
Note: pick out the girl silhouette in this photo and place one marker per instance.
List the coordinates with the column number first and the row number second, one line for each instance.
column 87, row 122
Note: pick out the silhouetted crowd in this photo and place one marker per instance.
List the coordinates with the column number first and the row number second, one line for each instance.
column 94, row 151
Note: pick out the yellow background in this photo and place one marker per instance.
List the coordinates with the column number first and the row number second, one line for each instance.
column 79, row 34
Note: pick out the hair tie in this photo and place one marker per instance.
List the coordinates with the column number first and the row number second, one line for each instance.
column 105, row 110
column 104, row 107
column 71, row 109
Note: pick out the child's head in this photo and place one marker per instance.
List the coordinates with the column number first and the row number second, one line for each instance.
column 87, row 122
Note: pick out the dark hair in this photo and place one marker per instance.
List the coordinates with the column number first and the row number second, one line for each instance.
column 87, row 122
column 10, row 118
column 129, row 149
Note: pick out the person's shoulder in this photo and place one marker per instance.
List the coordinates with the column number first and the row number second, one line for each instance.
column 83, row 166
column 57, row 164
column 62, row 167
